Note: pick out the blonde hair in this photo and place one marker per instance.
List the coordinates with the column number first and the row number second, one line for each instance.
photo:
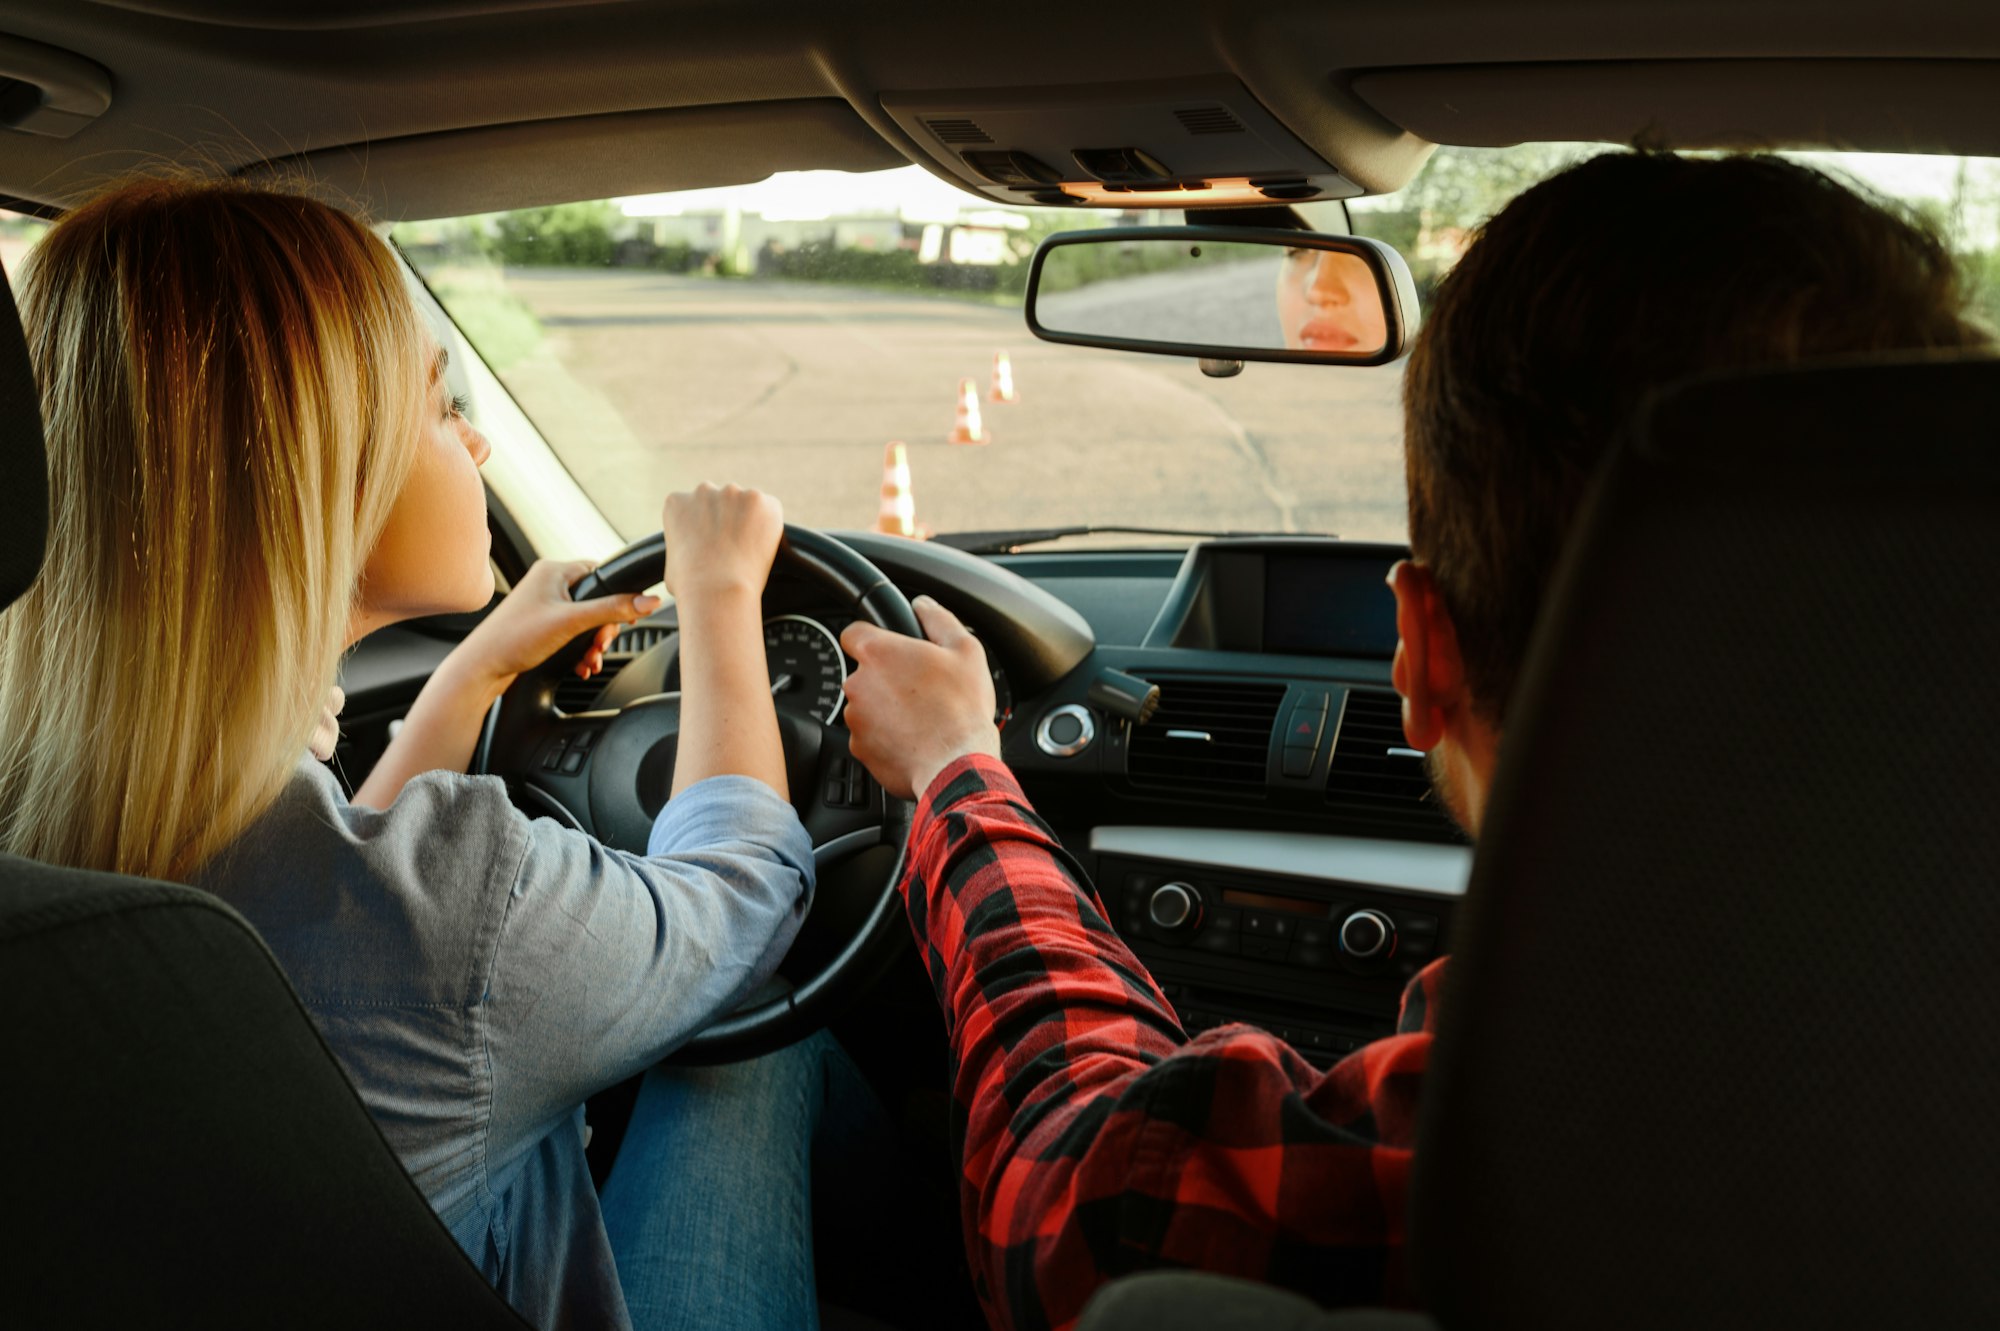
column 233, row 383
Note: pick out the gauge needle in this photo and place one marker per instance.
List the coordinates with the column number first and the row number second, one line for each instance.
column 780, row 684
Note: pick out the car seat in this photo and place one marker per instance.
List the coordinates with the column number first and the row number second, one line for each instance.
column 182, row 1148
column 1721, row 1020
column 1718, row 1041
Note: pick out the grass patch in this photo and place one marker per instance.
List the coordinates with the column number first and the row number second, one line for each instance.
column 496, row 321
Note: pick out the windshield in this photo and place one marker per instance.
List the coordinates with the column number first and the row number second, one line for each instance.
column 784, row 334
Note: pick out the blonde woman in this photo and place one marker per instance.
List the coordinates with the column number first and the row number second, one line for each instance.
column 254, row 461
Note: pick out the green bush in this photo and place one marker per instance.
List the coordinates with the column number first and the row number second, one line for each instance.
column 576, row 235
column 503, row 329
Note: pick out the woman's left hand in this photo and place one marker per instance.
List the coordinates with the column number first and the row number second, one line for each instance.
column 537, row 618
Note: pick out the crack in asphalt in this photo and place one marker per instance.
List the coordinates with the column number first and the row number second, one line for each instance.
column 791, row 372
column 1266, row 475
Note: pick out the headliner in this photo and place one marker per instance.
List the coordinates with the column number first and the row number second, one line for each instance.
column 437, row 106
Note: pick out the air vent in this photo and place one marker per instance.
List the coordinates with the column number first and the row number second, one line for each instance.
column 1210, row 737
column 575, row 695
column 1369, row 791
column 957, row 131
column 1208, row 120
column 639, row 638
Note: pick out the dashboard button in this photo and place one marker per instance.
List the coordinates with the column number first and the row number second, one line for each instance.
column 1368, row 935
column 1316, row 933
column 1266, row 949
column 1065, row 731
column 1298, row 762
column 1302, row 731
column 1174, row 905
column 1214, row 940
column 1311, row 954
column 1227, row 918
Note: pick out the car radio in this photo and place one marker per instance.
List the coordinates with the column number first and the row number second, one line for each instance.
column 1318, row 961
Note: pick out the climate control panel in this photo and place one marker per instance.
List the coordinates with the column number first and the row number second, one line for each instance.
column 1322, row 964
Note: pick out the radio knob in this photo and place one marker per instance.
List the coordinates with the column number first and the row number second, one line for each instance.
column 1368, row 935
column 1174, row 906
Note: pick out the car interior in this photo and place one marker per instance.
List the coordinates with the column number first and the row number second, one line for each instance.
column 1720, row 1015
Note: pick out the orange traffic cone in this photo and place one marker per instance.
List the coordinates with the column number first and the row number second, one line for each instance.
column 898, row 514
column 967, row 429
column 1003, row 380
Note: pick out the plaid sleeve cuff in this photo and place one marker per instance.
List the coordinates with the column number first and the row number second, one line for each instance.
column 965, row 779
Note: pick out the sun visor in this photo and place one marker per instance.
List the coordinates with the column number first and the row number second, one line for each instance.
column 1908, row 106
column 494, row 168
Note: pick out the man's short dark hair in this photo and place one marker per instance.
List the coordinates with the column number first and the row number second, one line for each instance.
column 1586, row 293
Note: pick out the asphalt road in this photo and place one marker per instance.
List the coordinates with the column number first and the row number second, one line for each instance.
column 647, row 382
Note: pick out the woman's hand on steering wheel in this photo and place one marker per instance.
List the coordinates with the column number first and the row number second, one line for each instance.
column 720, row 539
column 537, row 619
column 609, row 770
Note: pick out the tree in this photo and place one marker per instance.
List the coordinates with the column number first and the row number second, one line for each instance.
column 569, row 234
column 1430, row 219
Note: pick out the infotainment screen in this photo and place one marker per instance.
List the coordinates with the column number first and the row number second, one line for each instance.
column 1329, row 604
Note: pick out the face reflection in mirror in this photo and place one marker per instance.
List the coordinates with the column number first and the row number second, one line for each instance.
column 1328, row 301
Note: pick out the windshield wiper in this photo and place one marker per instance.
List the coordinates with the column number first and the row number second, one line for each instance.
column 1006, row 542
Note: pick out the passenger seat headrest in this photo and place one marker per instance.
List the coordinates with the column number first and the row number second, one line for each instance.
column 24, row 470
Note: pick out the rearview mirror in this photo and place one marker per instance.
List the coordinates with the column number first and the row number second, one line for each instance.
column 1224, row 293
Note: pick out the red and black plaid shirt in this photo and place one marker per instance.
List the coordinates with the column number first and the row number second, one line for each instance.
column 1095, row 1138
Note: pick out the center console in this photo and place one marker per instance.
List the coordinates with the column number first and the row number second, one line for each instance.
column 1312, row 938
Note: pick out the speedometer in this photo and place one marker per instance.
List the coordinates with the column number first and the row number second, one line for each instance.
column 806, row 666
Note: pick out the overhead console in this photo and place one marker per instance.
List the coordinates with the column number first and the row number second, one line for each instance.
column 1152, row 144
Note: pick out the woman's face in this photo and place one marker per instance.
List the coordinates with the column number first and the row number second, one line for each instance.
column 1328, row 301
column 434, row 555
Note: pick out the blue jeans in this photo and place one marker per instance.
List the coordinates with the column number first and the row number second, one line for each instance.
column 709, row 1204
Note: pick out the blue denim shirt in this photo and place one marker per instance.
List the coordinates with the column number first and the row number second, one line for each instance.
column 478, row 974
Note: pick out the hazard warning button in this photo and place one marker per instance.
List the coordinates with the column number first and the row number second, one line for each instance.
column 1302, row 731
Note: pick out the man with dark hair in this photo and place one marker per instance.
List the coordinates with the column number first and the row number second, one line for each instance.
column 1095, row 1139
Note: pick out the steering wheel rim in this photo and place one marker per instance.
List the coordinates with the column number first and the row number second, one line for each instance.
column 526, row 719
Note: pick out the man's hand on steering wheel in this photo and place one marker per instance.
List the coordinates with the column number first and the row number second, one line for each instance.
column 915, row 707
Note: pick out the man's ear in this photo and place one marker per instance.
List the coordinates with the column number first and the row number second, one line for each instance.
column 1428, row 672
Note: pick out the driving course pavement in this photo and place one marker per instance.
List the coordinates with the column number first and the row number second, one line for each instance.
column 649, row 382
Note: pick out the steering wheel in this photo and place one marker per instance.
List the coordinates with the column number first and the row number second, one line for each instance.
column 610, row 772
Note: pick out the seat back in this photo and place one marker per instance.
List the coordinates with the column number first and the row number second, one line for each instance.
column 183, row 1148
column 1718, row 1043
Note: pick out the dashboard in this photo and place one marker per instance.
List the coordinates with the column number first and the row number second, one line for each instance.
column 1262, row 838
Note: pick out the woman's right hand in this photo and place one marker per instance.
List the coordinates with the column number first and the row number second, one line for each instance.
column 720, row 543
column 720, row 540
